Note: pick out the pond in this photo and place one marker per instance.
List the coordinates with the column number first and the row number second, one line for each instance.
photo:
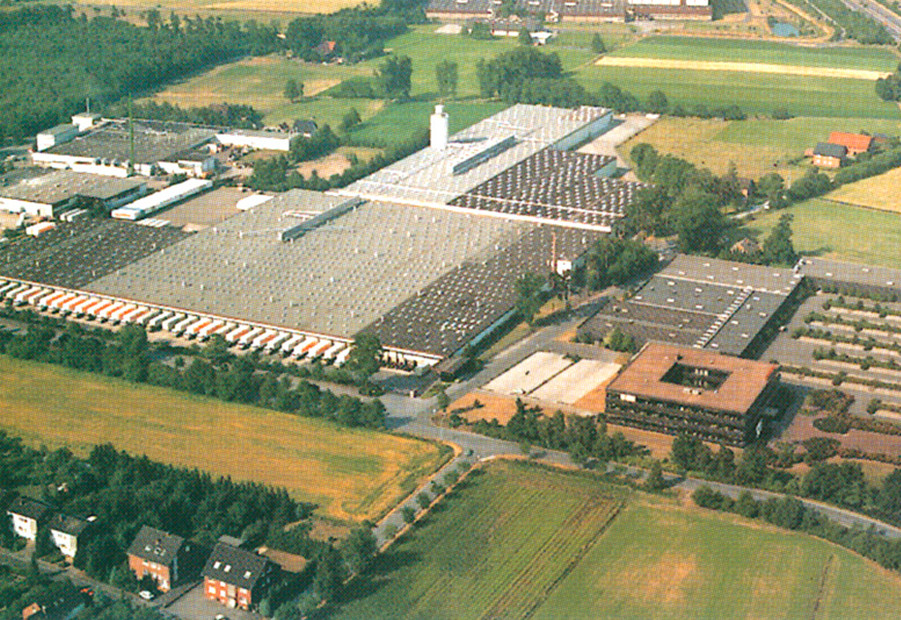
column 783, row 29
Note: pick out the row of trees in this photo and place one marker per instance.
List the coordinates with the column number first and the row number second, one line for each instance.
column 226, row 114
column 842, row 484
column 584, row 438
column 791, row 513
column 215, row 372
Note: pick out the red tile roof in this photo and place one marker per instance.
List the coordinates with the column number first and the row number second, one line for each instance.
column 644, row 378
column 852, row 141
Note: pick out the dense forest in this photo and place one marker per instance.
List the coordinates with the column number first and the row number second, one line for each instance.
column 51, row 60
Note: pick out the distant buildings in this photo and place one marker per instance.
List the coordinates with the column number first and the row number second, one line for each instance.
column 554, row 11
column 50, row 194
column 27, row 515
column 66, row 531
column 841, row 145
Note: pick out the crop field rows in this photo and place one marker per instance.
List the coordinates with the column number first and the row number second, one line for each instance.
column 495, row 549
column 496, row 552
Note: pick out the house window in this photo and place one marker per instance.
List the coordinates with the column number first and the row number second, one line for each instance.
column 211, row 589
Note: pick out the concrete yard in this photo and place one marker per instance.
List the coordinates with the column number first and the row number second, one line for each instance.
column 529, row 374
column 204, row 210
column 576, row 381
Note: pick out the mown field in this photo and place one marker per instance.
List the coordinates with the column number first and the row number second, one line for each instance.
column 756, row 146
column 738, row 50
column 754, row 93
column 353, row 474
column 493, row 550
column 880, row 192
column 840, row 231
column 659, row 560
column 520, row 540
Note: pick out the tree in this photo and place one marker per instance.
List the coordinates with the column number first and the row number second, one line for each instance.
column 423, row 500
column 777, row 247
column 657, row 102
column 529, row 288
column 329, row 573
column 350, row 120
column 365, row 357
column 524, row 38
column 293, row 90
column 597, row 44
column 699, row 222
column 443, row 400
column 446, row 74
column 393, row 77
column 359, row 548
column 655, row 480
column 408, row 514
column 772, row 187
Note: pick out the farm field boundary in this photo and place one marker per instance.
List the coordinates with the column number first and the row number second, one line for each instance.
column 740, row 67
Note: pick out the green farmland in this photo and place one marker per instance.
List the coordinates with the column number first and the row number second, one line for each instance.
column 754, row 93
column 839, row 231
column 736, row 50
column 660, row 561
column 520, row 540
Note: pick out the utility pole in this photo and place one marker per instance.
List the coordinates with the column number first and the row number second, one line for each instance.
column 131, row 141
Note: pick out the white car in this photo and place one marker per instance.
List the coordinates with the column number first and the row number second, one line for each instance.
column 147, row 595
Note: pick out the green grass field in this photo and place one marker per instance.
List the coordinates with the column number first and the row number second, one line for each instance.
column 353, row 474
column 492, row 550
column 840, row 231
column 740, row 50
column 754, row 93
column 402, row 121
column 520, row 540
column 658, row 560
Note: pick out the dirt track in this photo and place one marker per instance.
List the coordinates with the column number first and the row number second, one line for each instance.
column 746, row 67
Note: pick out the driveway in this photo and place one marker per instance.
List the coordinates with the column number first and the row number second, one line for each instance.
column 193, row 606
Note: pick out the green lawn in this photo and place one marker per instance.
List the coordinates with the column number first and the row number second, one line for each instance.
column 353, row 474
column 843, row 232
column 755, row 93
column 739, row 50
column 426, row 49
column 492, row 550
column 660, row 561
column 402, row 121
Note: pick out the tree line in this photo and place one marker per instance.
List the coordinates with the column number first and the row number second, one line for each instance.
column 214, row 372
column 226, row 114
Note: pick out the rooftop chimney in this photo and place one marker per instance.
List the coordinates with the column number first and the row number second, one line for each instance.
column 439, row 128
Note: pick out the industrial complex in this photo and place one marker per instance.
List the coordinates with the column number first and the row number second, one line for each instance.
column 425, row 253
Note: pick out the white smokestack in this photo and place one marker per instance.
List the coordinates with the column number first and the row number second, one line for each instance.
column 439, row 128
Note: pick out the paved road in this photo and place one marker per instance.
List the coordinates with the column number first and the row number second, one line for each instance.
column 886, row 17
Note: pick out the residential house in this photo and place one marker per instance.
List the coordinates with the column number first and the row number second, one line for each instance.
column 167, row 558
column 235, row 577
column 325, row 49
column 305, row 128
column 856, row 143
column 65, row 531
column 27, row 514
column 827, row 155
